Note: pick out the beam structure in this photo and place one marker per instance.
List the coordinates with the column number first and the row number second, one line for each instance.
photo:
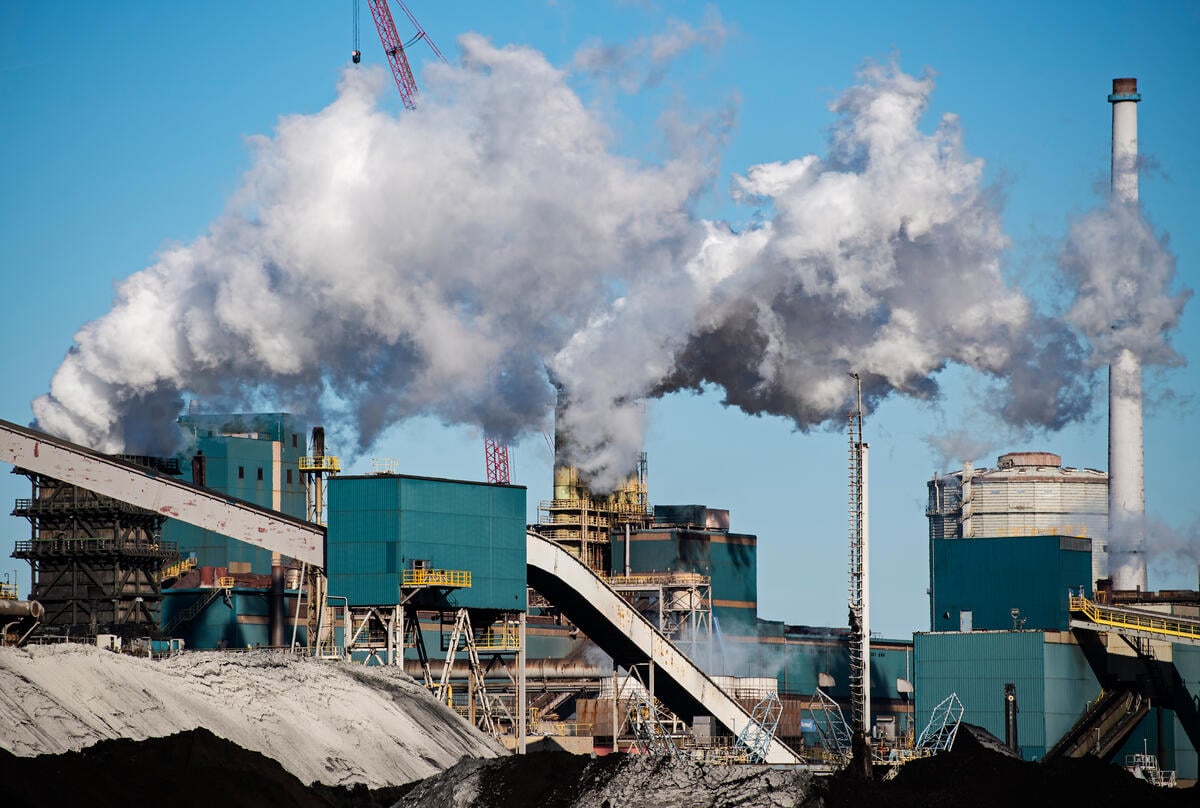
column 627, row 636
column 36, row 451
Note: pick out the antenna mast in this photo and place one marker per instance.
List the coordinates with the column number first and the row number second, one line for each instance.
column 860, row 598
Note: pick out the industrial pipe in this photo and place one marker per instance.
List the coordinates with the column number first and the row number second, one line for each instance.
column 534, row 669
column 21, row 609
column 1010, row 717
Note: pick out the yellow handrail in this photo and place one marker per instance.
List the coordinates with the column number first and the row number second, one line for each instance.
column 460, row 579
column 327, row 463
column 225, row 583
column 8, row 592
column 1166, row 625
column 501, row 638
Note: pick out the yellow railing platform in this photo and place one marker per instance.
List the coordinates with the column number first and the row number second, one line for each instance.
column 8, row 592
column 459, row 579
column 499, row 638
column 1167, row 626
column 327, row 464
column 178, row 568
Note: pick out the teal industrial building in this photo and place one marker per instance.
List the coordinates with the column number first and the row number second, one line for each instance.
column 998, row 604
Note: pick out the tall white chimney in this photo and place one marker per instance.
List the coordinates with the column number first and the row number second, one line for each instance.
column 1126, row 463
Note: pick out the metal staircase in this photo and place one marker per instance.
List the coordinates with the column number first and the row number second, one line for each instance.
column 223, row 589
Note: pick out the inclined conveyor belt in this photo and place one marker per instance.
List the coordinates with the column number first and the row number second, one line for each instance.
column 162, row 493
column 614, row 625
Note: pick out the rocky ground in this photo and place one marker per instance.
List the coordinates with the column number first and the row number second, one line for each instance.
column 196, row 768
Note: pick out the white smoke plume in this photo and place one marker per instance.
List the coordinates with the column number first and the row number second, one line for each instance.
column 390, row 266
column 1123, row 276
column 438, row 262
column 881, row 258
column 644, row 62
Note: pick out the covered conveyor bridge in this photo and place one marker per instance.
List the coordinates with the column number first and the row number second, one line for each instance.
column 1087, row 614
column 615, row 626
column 161, row 493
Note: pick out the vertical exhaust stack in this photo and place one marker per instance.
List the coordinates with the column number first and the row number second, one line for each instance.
column 1126, row 463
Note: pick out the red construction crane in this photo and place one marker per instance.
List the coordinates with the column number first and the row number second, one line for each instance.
column 394, row 47
column 495, row 453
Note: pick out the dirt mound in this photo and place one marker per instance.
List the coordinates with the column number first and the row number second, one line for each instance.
column 193, row 768
column 339, row 724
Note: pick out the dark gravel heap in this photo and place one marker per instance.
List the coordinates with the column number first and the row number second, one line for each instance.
column 973, row 775
column 196, row 768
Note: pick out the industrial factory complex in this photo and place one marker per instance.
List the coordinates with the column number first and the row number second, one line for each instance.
column 617, row 623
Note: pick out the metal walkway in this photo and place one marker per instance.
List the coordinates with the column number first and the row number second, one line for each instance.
column 162, row 493
column 1087, row 614
column 615, row 626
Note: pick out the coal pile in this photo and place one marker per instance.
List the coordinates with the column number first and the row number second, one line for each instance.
column 563, row 780
column 971, row 774
column 196, row 768
column 192, row 768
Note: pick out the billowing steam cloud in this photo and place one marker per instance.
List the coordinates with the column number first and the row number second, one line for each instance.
column 882, row 258
column 389, row 266
column 439, row 262
column 1123, row 276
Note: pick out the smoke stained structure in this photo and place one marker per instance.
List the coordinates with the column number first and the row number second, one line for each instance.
column 438, row 262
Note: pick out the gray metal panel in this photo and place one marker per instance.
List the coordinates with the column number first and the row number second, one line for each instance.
column 88, row 469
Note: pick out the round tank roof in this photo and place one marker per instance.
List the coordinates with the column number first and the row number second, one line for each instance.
column 1015, row 459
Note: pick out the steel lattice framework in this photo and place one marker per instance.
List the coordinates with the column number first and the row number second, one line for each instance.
column 393, row 47
column 495, row 458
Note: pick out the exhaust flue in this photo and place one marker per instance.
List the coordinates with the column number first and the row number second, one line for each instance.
column 1126, row 464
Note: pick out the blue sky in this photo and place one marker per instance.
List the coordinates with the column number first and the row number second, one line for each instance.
column 123, row 131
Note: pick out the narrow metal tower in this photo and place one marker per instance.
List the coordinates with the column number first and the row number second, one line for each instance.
column 860, row 600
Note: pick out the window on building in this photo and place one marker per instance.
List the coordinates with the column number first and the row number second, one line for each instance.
column 241, row 472
column 260, row 475
column 295, row 441
column 289, row 477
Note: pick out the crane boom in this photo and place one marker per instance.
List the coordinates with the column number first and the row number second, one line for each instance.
column 394, row 48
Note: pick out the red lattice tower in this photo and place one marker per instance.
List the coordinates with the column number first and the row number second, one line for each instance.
column 495, row 457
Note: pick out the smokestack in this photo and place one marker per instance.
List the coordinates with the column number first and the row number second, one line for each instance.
column 199, row 469
column 318, row 441
column 1126, row 463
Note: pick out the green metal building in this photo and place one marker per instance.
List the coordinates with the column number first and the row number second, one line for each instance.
column 381, row 525
column 693, row 538
column 250, row 456
column 994, row 584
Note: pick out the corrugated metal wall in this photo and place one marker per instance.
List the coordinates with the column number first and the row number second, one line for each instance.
column 729, row 559
column 1185, row 762
column 990, row 577
column 234, row 466
column 976, row 666
column 380, row 525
